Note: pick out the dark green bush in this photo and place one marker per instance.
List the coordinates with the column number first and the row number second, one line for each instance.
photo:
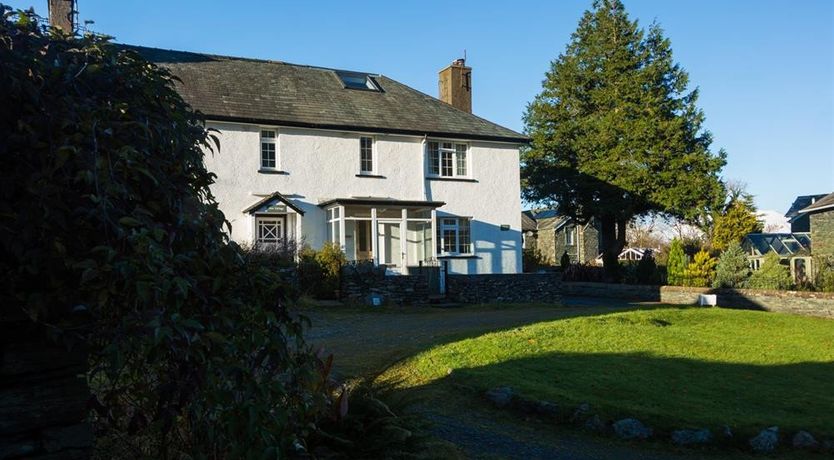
column 107, row 210
column 824, row 279
column 647, row 269
column 584, row 273
column 531, row 258
column 564, row 261
column 771, row 275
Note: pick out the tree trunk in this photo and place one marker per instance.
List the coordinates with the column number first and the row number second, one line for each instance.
column 612, row 240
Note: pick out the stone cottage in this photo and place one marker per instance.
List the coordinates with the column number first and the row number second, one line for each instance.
column 555, row 234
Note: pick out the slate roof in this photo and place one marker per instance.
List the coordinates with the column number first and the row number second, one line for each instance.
column 801, row 202
column 227, row 88
column 826, row 202
column 528, row 224
column 270, row 199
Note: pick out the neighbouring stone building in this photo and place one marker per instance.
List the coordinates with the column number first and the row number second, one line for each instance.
column 801, row 222
column 811, row 237
column 821, row 217
column 555, row 235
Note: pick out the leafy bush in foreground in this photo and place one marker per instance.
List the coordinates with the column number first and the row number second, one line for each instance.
column 107, row 211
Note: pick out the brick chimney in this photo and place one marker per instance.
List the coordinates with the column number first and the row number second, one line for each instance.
column 62, row 14
column 455, row 85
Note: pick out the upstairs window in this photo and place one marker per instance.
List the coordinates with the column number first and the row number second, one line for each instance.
column 447, row 159
column 357, row 80
column 366, row 155
column 269, row 149
column 454, row 236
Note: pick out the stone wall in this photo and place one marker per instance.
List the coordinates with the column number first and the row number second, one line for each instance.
column 357, row 288
column 43, row 396
column 414, row 289
column 822, row 233
column 505, row 288
column 803, row 303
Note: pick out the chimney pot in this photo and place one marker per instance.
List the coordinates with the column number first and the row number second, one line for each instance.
column 455, row 85
column 62, row 15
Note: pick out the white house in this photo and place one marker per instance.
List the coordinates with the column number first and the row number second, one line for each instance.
column 391, row 174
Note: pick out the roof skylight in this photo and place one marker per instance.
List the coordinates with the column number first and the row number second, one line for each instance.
column 356, row 80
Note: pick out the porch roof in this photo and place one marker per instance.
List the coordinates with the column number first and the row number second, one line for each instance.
column 372, row 201
column 275, row 196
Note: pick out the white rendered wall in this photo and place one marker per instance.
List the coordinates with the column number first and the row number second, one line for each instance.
column 322, row 165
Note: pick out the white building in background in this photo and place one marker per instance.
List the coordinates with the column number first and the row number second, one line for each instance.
column 390, row 174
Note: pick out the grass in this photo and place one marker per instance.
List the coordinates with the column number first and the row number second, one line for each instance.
column 670, row 367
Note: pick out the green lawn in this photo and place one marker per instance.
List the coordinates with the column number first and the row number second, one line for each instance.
column 671, row 367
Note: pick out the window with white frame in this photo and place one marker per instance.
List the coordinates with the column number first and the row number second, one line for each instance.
column 448, row 159
column 333, row 226
column 269, row 230
column 366, row 155
column 454, row 236
column 269, row 149
column 570, row 235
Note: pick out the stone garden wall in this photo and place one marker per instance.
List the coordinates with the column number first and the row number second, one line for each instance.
column 505, row 288
column 414, row 289
column 798, row 302
column 43, row 396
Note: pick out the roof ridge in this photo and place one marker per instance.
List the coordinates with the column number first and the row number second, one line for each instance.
column 248, row 59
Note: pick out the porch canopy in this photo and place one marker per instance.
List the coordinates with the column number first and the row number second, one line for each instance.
column 274, row 219
column 390, row 232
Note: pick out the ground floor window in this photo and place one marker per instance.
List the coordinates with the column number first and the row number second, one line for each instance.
column 333, row 225
column 269, row 230
column 454, row 236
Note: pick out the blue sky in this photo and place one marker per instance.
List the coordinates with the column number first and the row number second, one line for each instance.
column 765, row 68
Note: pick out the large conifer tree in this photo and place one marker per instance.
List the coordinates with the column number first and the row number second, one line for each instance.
column 615, row 132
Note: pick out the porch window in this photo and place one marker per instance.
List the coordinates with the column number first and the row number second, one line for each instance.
column 454, row 236
column 269, row 149
column 333, row 226
column 366, row 155
column 447, row 159
column 270, row 230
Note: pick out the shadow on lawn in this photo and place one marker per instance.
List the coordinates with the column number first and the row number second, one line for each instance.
column 666, row 393
column 365, row 342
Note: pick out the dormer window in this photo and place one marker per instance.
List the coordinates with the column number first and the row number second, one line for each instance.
column 357, row 80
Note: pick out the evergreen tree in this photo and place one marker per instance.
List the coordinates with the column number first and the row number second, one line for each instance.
column 737, row 219
column 733, row 269
column 676, row 264
column 615, row 133
column 700, row 272
column 771, row 275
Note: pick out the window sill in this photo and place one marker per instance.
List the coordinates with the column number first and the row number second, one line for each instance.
column 451, row 179
column 371, row 176
column 458, row 256
column 272, row 171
